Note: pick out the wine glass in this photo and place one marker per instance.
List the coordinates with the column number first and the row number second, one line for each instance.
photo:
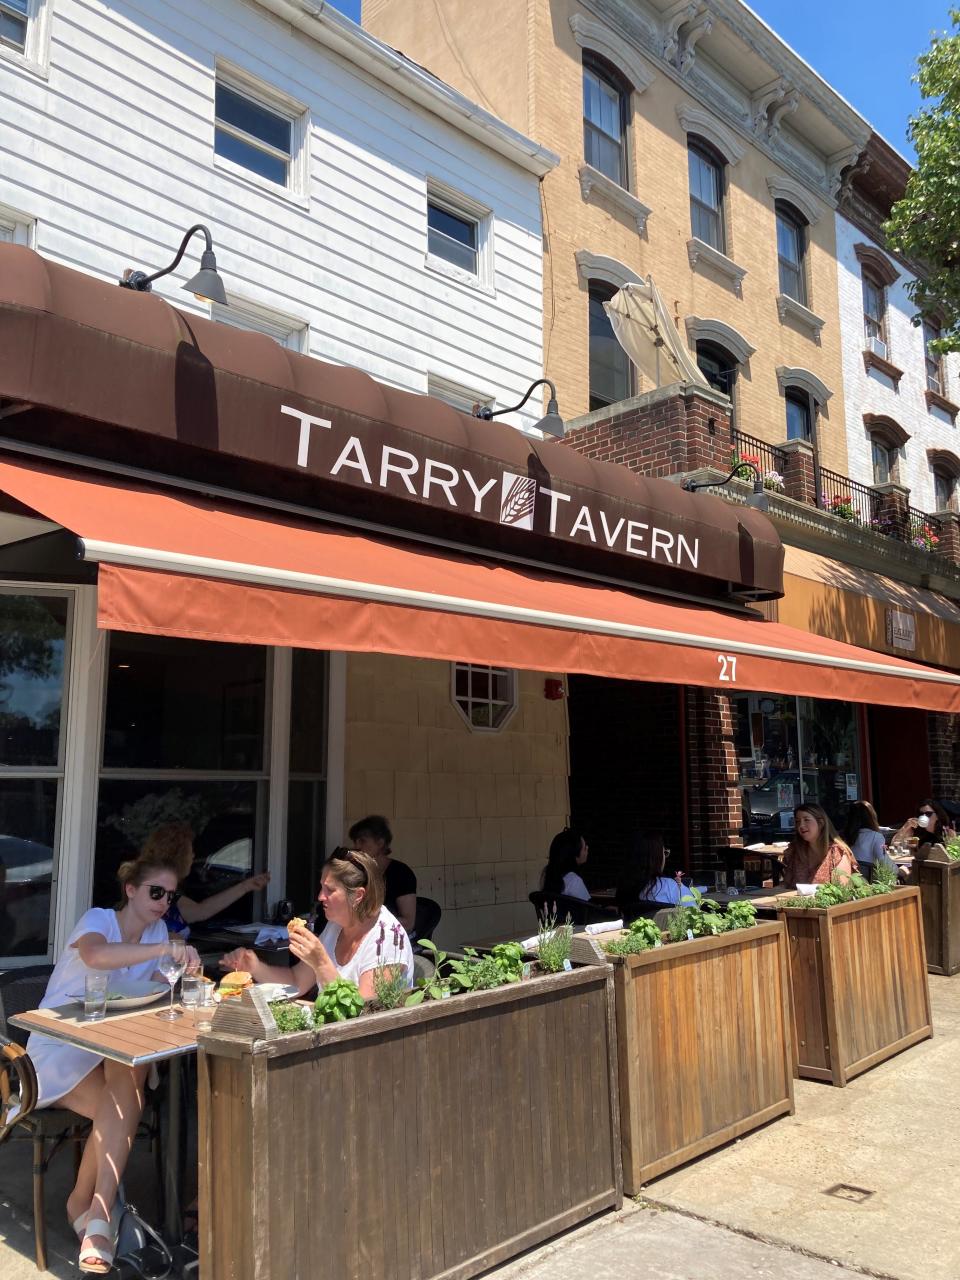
column 171, row 965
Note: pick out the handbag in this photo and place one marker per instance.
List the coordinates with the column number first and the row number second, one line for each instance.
column 140, row 1250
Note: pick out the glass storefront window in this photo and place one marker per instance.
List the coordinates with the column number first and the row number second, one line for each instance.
column 28, row 825
column 794, row 749
column 33, row 638
column 184, row 704
column 306, row 797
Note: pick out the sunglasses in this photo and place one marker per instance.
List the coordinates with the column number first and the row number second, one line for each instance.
column 927, row 813
column 157, row 891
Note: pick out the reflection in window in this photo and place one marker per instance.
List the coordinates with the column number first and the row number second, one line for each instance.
column 33, row 632
column 252, row 136
column 604, row 115
column 485, row 696
column 184, row 704
column 791, row 244
column 28, row 823
column 307, row 795
column 799, row 425
column 706, row 194
column 883, row 461
column 611, row 379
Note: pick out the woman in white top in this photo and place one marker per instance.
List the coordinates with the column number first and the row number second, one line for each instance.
column 561, row 875
column 360, row 936
column 128, row 941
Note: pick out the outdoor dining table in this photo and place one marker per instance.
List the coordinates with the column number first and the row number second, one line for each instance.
column 136, row 1037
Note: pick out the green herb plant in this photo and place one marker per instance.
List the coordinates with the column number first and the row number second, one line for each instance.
column 952, row 847
column 701, row 919
column 553, row 943
column 642, row 935
column 508, row 957
column 436, row 985
column 390, row 985
column 853, row 889
column 290, row 1017
column 338, row 1001
column 740, row 915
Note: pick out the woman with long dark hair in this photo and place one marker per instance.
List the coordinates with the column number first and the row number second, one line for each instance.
column 561, row 875
column 931, row 825
column 863, row 835
column 645, row 881
column 816, row 853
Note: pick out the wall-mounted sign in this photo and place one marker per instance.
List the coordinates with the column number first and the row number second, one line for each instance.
column 901, row 630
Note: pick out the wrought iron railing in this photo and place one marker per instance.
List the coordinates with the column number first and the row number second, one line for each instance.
column 767, row 458
column 847, row 498
column 923, row 530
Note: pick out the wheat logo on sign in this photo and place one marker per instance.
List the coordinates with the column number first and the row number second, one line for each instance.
column 517, row 495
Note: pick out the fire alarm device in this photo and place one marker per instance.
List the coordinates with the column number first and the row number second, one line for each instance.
column 553, row 690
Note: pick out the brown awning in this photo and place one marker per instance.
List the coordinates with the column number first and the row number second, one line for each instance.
column 84, row 348
column 173, row 564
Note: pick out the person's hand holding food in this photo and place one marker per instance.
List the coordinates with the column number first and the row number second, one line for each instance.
column 307, row 946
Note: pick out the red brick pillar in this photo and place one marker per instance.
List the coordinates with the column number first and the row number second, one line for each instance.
column 943, row 735
column 715, row 803
column 949, row 544
column 893, row 510
column 799, row 477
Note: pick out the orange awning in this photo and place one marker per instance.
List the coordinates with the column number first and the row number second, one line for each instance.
column 184, row 565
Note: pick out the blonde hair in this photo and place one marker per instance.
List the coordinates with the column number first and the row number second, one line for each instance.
column 354, row 870
column 136, row 871
column 170, row 845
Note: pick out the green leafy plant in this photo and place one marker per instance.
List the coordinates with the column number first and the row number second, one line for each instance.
column 952, row 847
column 436, row 986
column 553, row 943
column 835, row 893
column 701, row 919
column 642, row 935
column 338, row 1001
column 885, row 874
column 740, row 915
column 508, row 957
column 290, row 1017
column 390, row 985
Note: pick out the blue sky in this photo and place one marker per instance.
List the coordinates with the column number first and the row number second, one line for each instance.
column 866, row 49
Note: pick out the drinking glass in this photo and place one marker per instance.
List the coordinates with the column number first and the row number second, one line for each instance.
column 719, row 881
column 171, row 967
column 190, row 995
column 740, row 879
column 94, row 996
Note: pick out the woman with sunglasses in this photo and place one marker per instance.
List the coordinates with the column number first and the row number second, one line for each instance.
column 930, row 826
column 360, row 937
column 126, row 941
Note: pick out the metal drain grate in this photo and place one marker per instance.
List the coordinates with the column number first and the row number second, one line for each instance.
column 844, row 1191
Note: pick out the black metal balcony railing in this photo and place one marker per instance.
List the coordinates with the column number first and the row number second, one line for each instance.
column 923, row 530
column 847, row 498
column 767, row 458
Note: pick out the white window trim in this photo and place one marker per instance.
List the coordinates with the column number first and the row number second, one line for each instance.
column 18, row 225
column 252, row 318
column 240, row 81
column 462, row 206
column 35, row 57
column 514, row 697
column 456, row 395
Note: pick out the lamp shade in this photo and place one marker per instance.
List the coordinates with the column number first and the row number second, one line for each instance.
column 207, row 283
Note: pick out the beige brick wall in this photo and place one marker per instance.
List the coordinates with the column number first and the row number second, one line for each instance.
column 472, row 813
column 659, row 179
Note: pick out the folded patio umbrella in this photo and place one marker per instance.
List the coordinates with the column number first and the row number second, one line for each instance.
column 644, row 329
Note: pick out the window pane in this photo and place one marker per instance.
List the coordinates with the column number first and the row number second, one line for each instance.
column 704, row 180
column 705, row 225
column 33, row 633
column 602, row 153
column 609, row 363
column 223, row 815
column 943, row 490
column 13, row 30
column 798, row 420
column 791, row 281
column 881, row 463
column 308, row 711
column 184, row 704
column 306, row 816
column 601, row 104
column 28, row 813
column 243, row 113
column 452, row 238
column 250, row 157
column 480, row 682
column 831, row 754
column 788, row 240
column 770, row 776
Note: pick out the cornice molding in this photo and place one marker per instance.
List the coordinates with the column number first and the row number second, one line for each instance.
column 871, row 257
column 945, row 459
column 593, row 181
column 694, row 120
column 816, row 389
column 784, row 188
column 597, row 266
column 881, row 424
column 702, row 254
column 935, row 400
column 724, row 335
column 889, row 370
column 789, row 309
column 597, row 38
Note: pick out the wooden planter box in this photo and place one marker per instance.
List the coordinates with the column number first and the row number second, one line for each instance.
column 429, row 1142
column 704, row 1046
column 939, row 884
column 859, row 982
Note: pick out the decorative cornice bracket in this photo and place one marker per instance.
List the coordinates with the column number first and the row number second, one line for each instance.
column 593, row 180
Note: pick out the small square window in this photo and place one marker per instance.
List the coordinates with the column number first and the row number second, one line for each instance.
column 245, row 315
column 452, row 236
column 15, row 228
column 14, row 24
column 459, row 236
column 457, row 397
column 486, row 697
column 252, row 136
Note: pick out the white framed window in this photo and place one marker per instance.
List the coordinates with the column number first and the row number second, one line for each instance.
column 456, row 396
column 259, row 133
column 15, row 228
column 486, row 697
column 290, row 333
column 459, row 236
column 25, row 32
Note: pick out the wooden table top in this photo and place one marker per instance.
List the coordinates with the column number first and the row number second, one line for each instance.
column 133, row 1038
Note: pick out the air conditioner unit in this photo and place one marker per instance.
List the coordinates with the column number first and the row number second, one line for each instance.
column 877, row 347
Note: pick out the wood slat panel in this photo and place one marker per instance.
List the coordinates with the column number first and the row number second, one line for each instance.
column 939, row 885
column 134, row 1037
column 433, row 1142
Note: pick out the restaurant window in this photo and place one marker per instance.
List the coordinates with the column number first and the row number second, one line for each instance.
column 307, row 788
column 874, row 314
column 14, row 24
column 604, row 122
column 792, row 750
column 932, row 361
column 706, row 193
column 257, row 129
column 34, row 653
column 799, row 417
column 184, row 740
column 944, row 489
column 486, row 697
column 611, row 377
column 884, row 460
column 791, row 251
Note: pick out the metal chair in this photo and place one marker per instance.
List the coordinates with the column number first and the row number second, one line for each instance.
column 580, row 912
column 630, row 908
column 425, row 921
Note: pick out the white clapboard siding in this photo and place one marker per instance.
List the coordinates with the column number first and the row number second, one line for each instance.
column 111, row 156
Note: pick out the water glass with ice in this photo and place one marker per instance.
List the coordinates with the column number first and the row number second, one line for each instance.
column 94, row 996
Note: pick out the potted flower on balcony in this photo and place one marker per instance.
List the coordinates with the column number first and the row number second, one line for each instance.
column 742, row 464
column 840, row 504
column 926, row 539
column 774, row 481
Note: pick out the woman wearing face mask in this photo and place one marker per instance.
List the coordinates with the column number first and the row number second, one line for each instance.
column 930, row 826
column 816, row 853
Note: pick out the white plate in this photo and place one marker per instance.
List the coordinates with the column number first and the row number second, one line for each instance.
column 131, row 993
column 278, row 990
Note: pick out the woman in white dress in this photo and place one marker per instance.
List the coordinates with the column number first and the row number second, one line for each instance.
column 128, row 941
column 360, row 936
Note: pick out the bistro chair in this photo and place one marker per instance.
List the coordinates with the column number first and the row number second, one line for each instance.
column 427, row 918
column 630, row 908
column 581, row 913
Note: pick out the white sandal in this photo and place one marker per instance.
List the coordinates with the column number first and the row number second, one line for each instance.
column 79, row 1226
column 103, row 1258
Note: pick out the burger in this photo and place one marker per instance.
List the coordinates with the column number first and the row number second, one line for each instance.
column 296, row 923
column 234, row 984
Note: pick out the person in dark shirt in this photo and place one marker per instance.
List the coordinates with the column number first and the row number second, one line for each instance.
column 372, row 835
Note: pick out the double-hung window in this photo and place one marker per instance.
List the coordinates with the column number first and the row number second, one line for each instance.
column 791, row 244
column 604, row 119
column 874, row 309
column 14, row 24
column 883, row 461
column 706, row 194
column 253, row 135
column 799, row 418
column 934, row 365
column 944, row 485
column 453, row 236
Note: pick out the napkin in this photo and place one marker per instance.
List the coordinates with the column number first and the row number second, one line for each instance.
column 806, row 890
column 271, row 933
column 603, row 926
